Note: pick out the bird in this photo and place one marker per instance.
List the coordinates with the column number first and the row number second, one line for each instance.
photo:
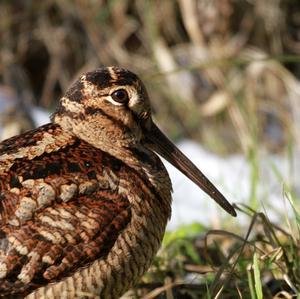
column 85, row 199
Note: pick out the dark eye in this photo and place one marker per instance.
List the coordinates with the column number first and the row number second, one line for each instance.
column 120, row 96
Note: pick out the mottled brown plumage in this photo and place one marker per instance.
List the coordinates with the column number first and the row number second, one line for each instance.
column 84, row 200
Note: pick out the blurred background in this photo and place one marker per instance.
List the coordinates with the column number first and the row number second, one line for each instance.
column 223, row 78
column 206, row 63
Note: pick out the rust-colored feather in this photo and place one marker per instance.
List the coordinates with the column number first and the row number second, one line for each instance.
column 71, row 215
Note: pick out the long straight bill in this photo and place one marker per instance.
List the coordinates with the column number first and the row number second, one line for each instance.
column 164, row 147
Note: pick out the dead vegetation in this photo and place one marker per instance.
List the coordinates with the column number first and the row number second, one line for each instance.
column 218, row 71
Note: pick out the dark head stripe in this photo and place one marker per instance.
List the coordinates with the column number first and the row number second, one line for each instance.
column 75, row 92
column 100, row 77
column 124, row 76
column 103, row 78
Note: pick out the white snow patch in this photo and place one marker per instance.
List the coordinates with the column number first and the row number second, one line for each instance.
column 232, row 176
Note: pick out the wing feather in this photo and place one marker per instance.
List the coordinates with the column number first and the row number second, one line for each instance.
column 59, row 211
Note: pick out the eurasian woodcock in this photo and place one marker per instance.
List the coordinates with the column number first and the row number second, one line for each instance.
column 85, row 199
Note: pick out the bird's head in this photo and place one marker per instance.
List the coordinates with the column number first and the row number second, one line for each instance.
column 108, row 106
column 110, row 109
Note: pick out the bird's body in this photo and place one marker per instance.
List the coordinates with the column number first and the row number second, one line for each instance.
column 84, row 200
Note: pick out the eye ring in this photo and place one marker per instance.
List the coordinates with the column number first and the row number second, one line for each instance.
column 120, row 96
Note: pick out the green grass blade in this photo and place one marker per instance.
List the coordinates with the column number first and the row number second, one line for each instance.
column 251, row 283
column 257, row 280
